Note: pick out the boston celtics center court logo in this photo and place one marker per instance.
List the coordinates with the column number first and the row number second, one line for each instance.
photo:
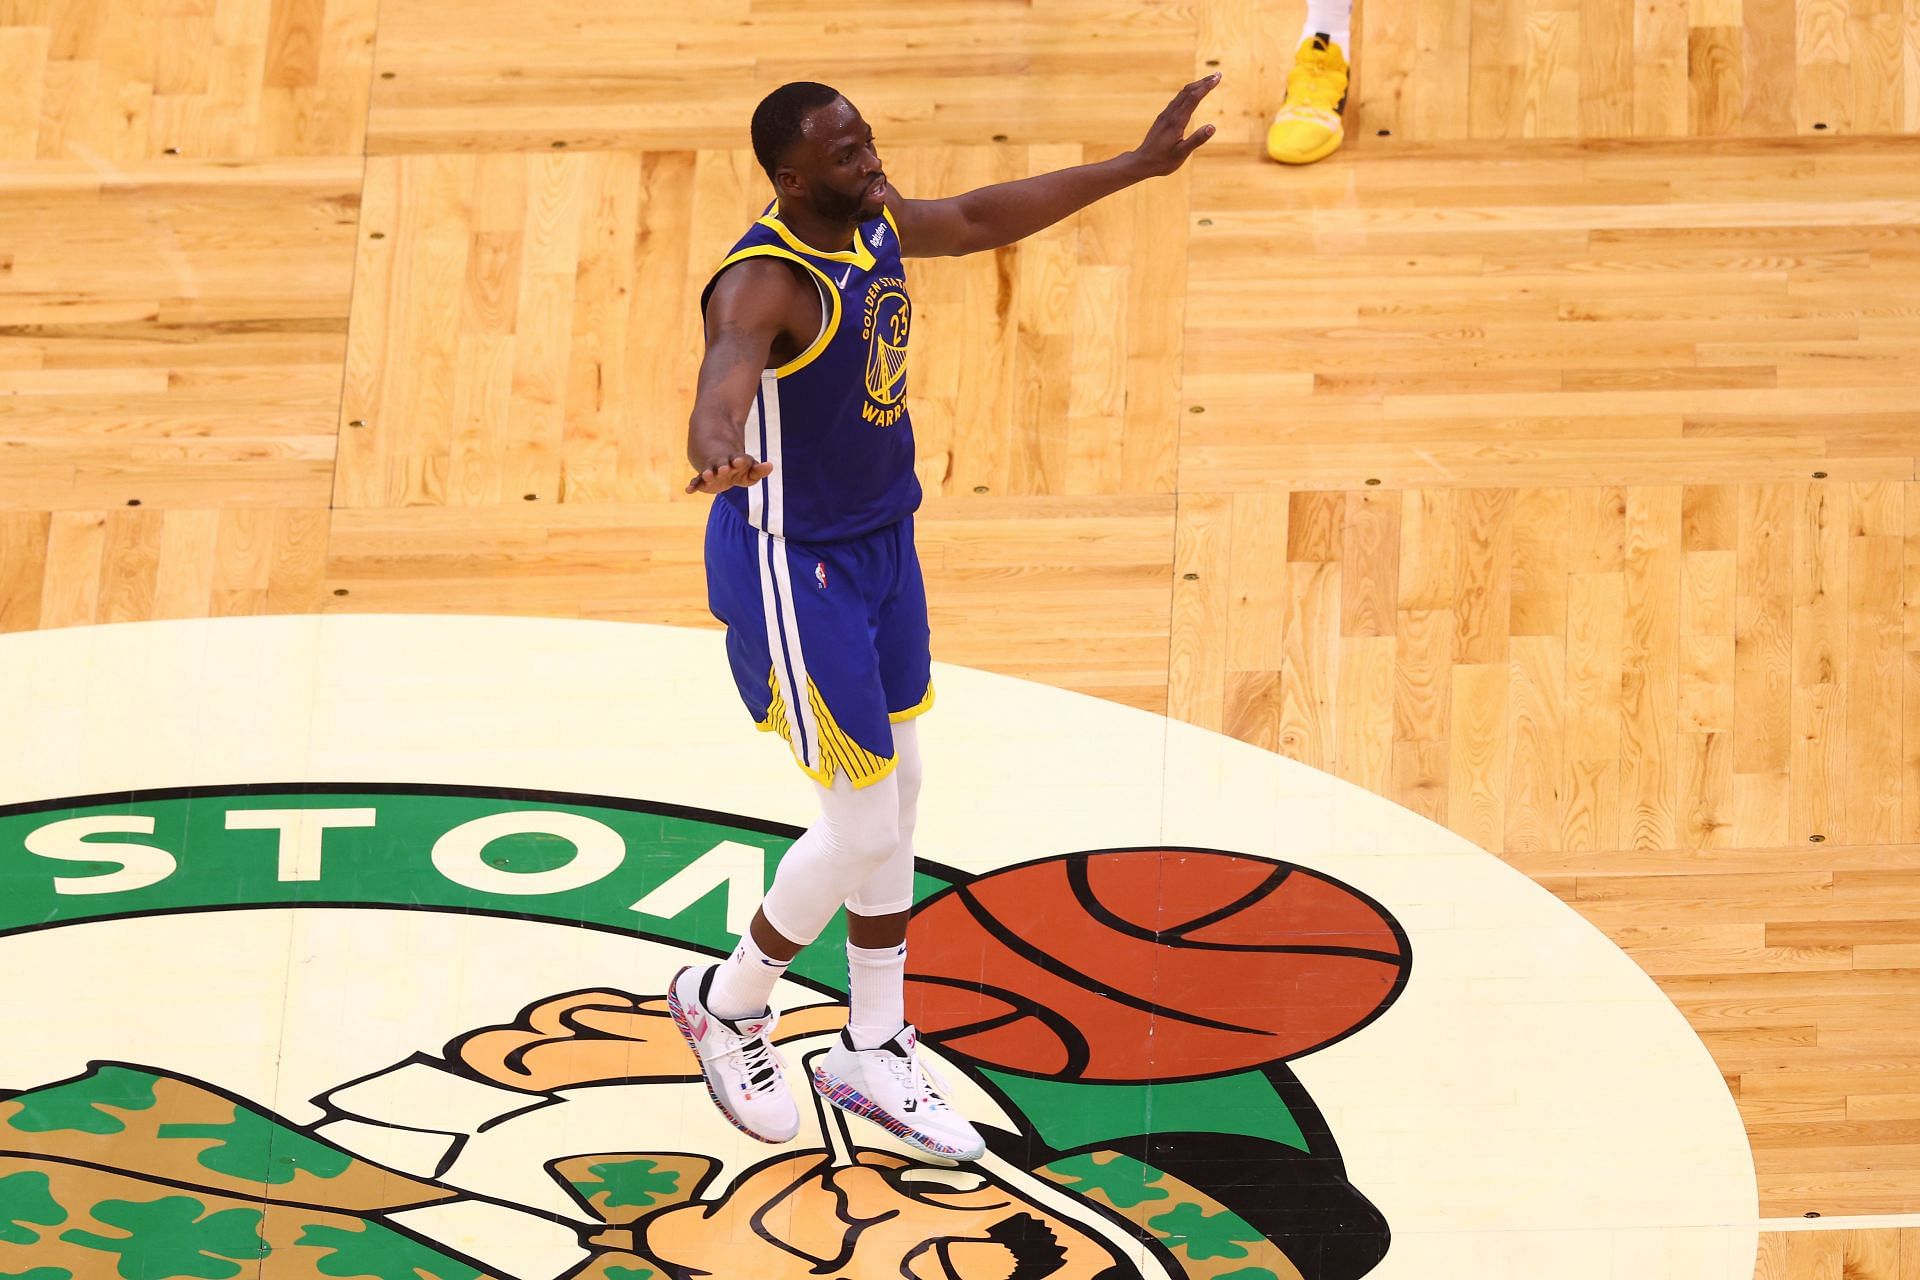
column 335, row 946
column 1119, row 1021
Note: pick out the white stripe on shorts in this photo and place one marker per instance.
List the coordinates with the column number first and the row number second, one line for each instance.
column 753, row 440
column 765, row 548
column 799, row 705
column 775, row 484
column 766, row 511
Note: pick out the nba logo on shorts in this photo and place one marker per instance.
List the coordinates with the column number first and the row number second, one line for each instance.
column 820, row 573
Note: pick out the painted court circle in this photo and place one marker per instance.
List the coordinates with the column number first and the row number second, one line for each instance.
column 401, row 893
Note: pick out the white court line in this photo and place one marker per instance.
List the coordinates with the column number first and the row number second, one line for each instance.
column 1858, row 1222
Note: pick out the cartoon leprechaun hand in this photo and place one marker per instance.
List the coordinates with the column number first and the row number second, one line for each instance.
column 601, row 1037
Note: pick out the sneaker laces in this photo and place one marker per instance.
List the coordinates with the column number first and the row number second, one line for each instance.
column 761, row 1067
column 918, row 1080
column 758, row 1065
column 1316, row 82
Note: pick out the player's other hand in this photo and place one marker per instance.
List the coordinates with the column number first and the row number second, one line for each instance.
column 721, row 474
column 1167, row 144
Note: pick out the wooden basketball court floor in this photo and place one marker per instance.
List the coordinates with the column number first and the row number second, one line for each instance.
column 1544, row 461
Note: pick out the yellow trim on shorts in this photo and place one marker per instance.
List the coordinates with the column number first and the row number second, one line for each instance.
column 831, row 327
column 919, row 708
column 839, row 753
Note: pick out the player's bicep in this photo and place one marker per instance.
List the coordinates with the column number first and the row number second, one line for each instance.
column 933, row 228
column 745, row 315
column 730, row 372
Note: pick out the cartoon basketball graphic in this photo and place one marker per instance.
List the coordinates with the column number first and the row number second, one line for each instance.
column 1149, row 964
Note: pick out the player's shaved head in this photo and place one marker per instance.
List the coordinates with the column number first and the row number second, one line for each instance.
column 781, row 117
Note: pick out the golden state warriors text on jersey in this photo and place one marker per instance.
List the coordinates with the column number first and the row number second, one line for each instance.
column 887, row 316
column 833, row 420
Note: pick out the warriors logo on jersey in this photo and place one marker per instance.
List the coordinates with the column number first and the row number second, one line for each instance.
column 887, row 320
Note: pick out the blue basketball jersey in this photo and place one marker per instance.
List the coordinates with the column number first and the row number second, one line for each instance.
column 833, row 420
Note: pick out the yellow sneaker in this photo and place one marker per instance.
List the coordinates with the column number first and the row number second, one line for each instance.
column 1308, row 127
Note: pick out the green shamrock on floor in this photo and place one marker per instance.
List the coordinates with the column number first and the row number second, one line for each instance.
column 168, row 1238
column 27, row 1197
column 379, row 1254
column 77, row 1104
column 1204, row 1235
column 630, row 1183
column 251, row 1146
column 1126, row 1182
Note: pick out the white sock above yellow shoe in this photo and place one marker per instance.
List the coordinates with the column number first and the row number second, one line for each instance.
column 1332, row 20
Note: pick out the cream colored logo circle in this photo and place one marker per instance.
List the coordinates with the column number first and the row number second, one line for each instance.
column 1530, row 1105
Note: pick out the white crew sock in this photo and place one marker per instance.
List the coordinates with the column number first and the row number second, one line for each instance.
column 876, row 992
column 743, row 982
column 1332, row 19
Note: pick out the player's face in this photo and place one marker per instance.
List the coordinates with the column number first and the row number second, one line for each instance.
column 839, row 164
column 803, row 1218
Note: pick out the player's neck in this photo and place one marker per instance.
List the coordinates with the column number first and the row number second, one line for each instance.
column 824, row 234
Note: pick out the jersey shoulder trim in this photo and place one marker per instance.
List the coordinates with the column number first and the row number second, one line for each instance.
column 859, row 255
column 827, row 330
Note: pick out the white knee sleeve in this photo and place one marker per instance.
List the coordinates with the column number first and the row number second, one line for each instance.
column 890, row 887
column 857, row 832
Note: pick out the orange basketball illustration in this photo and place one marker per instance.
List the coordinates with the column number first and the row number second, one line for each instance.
column 1165, row 964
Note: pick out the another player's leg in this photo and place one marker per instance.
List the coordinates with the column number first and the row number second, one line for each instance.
column 1309, row 124
column 875, row 1070
column 725, row 1011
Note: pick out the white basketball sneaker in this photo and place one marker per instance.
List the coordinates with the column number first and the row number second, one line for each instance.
column 745, row 1077
column 889, row 1087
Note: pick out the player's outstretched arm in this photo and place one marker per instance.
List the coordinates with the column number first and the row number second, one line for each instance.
column 745, row 315
column 993, row 216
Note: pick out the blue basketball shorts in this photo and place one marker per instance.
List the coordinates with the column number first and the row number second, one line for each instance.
column 828, row 641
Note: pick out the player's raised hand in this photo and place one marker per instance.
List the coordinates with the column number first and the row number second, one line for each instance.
column 722, row 474
column 1167, row 144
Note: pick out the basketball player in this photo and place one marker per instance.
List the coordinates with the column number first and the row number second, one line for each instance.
column 800, row 430
column 1308, row 126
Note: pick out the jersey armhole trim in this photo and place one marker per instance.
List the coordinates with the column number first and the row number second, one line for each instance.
column 831, row 325
column 888, row 215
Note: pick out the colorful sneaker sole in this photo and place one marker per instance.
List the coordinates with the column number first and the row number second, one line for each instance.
column 853, row 1102
column 679, row 1012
